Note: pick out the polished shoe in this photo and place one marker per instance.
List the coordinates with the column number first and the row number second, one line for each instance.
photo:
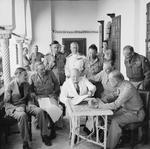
column 26, row 145
column 46, row 140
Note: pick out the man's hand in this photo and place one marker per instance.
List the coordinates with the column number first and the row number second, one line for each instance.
column 20, row 109
column 93, row 103
column 89, row 93
column 33, row 95
column 104, row 99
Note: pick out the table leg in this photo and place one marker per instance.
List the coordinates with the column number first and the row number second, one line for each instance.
column 74, row 126
column 105, row 131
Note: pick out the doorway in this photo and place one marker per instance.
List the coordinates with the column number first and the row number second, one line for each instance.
column 116, row 39
column 81, row 42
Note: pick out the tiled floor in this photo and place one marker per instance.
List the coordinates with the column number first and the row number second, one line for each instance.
column 61, row 141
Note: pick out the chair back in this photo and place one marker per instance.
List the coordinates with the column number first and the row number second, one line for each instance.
column 145, row 96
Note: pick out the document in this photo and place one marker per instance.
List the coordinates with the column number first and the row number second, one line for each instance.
column 78, row 99
column 52, row 109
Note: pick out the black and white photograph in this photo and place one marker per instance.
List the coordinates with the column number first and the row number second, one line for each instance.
column 74, row 74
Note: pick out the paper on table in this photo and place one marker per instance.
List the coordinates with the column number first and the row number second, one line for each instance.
column 53, row 110
column 78, row 99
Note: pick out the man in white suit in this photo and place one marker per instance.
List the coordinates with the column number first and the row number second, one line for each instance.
column 75, row 86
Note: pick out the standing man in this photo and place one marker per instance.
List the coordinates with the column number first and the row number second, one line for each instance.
column 26, row 61
column 128, row 106
column 36, row 56
column 93, row 66
column 55, row 61
column 18, row 104
column 93, row 63
column 137, row 68
column 74, row 60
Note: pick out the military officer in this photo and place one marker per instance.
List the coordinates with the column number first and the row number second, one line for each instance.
column 55, row 61
column 93, row 63
column 36, row 56
column 109, row 93
column 74, row 60
column 137, row 68
column 93, row 66
column 128, row 106
column 44, row 84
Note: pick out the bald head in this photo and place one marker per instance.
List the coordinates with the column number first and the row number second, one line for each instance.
column 128, row 52
column 75, row 75
column 115, row 77
column 108, row 66
column 74, row 47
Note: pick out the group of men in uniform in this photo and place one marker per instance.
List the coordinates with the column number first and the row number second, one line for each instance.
column 79, row 75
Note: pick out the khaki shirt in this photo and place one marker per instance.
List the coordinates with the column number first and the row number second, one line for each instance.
column 93, row 67
column 128, row 98
column 103, row 78
column 138, row 69
column 44, row 86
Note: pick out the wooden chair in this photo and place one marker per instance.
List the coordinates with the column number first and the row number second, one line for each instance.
column 134, row 127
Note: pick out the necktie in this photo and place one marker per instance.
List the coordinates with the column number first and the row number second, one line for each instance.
column 77, row 87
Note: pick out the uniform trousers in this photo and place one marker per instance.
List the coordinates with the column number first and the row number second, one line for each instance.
column 22, row 118
column 120, row 119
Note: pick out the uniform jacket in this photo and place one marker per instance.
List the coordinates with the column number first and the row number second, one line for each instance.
column 103, row 78
column 138, row 69
column 13, row 98
column 93, row 67
column 128, row 98
column 36, row 58
column 56, row 64
column 68, row 89
column 44, row 86
column 58, row 61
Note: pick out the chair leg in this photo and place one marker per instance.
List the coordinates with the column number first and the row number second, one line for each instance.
column 30, row 127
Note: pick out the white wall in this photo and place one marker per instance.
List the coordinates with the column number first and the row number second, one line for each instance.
column 126, row 9
column 41, row 24
column 66, row 16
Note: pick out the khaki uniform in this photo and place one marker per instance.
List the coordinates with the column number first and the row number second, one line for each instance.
column 35, row 58
column 13, row 100
column 74, row 61
column 108, row 90
column 131, row 110
column 138, row 70
column 48, row 85
column 93, row 67
column 56, row 64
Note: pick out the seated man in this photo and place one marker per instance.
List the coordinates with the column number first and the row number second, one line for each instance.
column 128, row 107
column 75, row 86
column 18, row 104
column 109, row 92
column 44, row 84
